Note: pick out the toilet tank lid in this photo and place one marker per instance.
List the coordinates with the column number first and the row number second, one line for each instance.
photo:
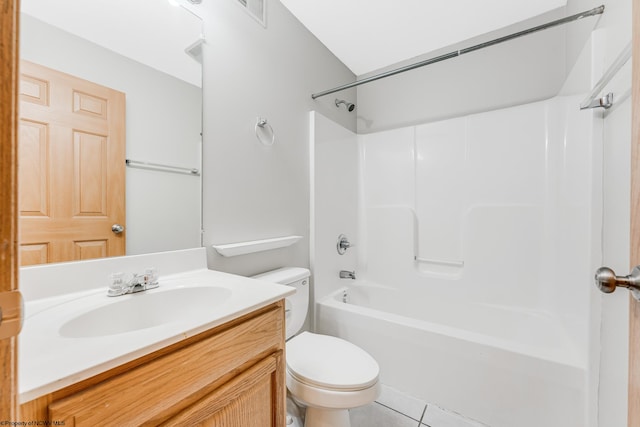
column 284, row 275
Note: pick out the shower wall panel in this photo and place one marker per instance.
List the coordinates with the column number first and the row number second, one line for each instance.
column 492, row 207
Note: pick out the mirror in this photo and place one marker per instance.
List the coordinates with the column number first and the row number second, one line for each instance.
column 149, row 50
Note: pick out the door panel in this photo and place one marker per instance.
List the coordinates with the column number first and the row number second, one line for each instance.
column 634, row 312
column 90, row 183
column 248, row 400
column 634, row 363
column 34, row 171
column 72, row 157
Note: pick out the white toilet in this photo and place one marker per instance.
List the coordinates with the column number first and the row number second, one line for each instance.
column 326, row 374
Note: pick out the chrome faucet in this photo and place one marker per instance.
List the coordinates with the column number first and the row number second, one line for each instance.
column 343, row 244
column 344, row 274
column 137, row 283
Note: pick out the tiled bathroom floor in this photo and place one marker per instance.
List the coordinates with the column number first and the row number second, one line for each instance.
column 395, row 409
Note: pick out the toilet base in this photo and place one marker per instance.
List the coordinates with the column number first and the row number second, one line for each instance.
column 323, row 417
column 295, row 413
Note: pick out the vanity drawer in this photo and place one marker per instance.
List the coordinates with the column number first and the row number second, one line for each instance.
column 153, row 392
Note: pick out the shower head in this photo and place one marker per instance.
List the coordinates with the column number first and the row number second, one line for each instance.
column 349, row 105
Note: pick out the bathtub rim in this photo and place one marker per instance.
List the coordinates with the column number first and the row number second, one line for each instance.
column 334, row 300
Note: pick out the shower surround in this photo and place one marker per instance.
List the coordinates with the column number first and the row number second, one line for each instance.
column 473, row 253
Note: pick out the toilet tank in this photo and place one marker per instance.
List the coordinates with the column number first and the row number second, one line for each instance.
column 296, row 305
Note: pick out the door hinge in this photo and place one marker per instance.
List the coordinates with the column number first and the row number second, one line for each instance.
column 11, row 309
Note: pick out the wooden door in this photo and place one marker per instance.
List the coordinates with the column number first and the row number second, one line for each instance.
column 8, row 198
column 72, row 167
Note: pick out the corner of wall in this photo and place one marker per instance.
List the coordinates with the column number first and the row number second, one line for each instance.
column 251, row 191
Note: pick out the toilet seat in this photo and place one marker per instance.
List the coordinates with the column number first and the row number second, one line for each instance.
column 330, row 364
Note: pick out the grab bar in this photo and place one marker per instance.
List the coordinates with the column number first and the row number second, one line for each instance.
column 440, row 261
column 161, row 167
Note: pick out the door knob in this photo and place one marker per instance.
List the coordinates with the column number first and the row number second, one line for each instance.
column 117, row 228
column 607, row 281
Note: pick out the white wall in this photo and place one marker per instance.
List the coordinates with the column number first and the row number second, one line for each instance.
column 152, row 32
column 501, row 192
column 610, row 335
column 251, row 191
column 163, row 126
column 335, row 203
column 612, row 138
column 615, row 307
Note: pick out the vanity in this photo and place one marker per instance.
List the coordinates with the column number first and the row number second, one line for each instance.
column 204, row 348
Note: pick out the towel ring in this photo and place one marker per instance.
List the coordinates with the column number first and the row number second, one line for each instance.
column 262, row 123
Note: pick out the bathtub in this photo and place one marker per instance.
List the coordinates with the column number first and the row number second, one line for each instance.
column 500, row 366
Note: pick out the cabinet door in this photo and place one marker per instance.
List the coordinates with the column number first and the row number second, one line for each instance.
column 252, row 399
column 156, row 390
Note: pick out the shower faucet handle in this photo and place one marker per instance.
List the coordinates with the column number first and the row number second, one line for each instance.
column 343, row 244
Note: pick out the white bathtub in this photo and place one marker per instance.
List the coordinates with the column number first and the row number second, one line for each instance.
column 500, row 366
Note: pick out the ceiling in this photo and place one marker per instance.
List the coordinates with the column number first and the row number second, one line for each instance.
column 367, row 35
column 159, row 42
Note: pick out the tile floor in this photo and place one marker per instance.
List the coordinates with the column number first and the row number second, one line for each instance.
column 395, row 409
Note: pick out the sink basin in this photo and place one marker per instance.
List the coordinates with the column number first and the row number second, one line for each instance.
column 145, row 310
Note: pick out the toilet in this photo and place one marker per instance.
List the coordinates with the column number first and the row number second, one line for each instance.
column 326, row 374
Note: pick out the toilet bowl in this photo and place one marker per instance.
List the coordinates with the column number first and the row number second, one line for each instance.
column 329, row 376
column 325, row 374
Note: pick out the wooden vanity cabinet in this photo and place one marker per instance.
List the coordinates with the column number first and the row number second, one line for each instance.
column 232, row 375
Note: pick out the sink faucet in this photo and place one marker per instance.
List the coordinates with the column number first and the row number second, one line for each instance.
column 138, row 283
column 344, row 274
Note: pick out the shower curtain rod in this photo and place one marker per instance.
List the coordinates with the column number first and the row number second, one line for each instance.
column 595, row 11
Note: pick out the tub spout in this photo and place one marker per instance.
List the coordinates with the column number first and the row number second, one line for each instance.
column 344, row 274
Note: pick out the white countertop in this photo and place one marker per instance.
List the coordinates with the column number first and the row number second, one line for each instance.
column 49, row 361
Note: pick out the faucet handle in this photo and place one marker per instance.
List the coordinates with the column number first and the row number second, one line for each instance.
column 150, row 277
column 343, row 244
column 117, row 285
